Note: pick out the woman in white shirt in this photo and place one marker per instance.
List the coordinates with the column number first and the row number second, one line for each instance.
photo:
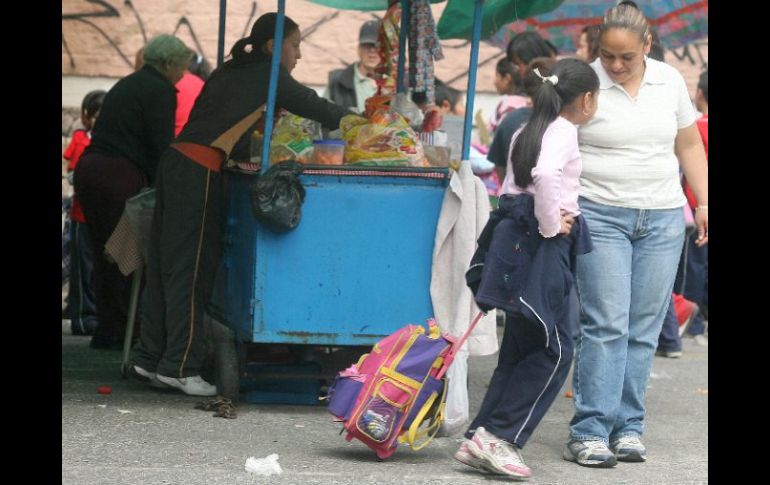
column 631, row 197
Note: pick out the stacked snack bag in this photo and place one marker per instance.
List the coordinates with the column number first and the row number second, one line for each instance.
column 383, row 139
column 293, row 139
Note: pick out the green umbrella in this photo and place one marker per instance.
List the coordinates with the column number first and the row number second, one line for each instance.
column 457, row 20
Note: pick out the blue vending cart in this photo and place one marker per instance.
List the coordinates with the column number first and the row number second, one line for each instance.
column 356, row 268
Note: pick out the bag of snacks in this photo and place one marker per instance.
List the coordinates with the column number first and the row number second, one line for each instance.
column 293, row 139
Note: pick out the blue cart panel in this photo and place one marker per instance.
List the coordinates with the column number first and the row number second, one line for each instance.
column 357, row 267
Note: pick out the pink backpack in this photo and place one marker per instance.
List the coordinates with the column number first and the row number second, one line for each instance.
column 397, row 388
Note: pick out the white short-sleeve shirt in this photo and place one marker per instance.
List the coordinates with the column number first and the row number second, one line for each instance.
column 628, row 147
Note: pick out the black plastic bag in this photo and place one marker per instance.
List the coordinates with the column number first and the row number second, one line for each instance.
column 277, row 196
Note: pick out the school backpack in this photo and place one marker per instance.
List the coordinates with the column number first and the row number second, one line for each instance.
column 396, row 393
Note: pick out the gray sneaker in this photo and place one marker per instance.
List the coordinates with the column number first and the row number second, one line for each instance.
column 629, row 448
column 671, row 354
column 593, row 453
column 192, row 386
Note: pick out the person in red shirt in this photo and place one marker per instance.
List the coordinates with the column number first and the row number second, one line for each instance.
column 692, row 278
column 188, row 89
column 80, row 300
column 689, row 302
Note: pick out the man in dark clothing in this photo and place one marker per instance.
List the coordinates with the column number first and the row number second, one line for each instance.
column 349, row 87
column 498, row 150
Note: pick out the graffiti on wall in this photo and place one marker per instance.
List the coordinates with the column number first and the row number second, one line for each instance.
column 121, row 27
column 695, row 54
column 101, row 9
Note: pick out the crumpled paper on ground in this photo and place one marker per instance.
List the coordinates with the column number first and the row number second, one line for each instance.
column 264, row 466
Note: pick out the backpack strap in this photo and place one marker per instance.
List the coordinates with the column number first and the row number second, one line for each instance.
column 433, row 409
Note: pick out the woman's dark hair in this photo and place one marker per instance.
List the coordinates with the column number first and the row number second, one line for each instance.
column 626, row 15
column 575, row 77
column 504, row 68
column 527, row 45
column 262, row 31
column 92, row 103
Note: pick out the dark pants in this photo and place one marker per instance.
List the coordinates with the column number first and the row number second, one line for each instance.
column 669, row 339
column 527, row 379
column 81, row 299
column 692, row 279
column 184, row 253
column 103, row 184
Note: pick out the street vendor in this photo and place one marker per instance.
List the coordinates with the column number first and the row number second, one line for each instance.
column 186, row 240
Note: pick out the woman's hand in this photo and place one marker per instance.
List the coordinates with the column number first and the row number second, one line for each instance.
column 702, row 223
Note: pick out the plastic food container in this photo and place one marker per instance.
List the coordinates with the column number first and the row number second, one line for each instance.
column 328, row 152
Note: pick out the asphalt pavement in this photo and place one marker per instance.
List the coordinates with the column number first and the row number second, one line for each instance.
column 140, row 435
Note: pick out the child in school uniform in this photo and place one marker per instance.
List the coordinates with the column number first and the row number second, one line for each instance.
column 524, row 265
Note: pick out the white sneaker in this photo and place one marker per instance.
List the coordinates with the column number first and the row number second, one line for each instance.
column 464, row 456
column 146, row 376
column 701, row 340
column 497, row 455
column 192, row 386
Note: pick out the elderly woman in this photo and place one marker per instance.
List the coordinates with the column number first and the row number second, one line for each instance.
column 136, row 124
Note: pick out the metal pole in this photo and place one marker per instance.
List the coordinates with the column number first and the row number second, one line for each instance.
column 406, row 13
column 221, row 41
column 475, row 40
column 273, row 86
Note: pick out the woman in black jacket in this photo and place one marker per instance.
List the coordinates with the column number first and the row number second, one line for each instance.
column 185, row 246
column 135, row 126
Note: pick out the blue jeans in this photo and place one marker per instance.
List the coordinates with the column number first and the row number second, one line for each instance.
column 624, row 286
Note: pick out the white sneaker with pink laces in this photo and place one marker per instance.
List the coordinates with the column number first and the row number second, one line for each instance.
column 497, row 455
column 466, row 458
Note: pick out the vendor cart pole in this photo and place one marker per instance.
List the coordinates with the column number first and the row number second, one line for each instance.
column 402, row 38
column 475, row 40
column 221, row 39
column 272, row 87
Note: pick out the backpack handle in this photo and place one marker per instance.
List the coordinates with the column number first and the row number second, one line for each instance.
column 450, row 356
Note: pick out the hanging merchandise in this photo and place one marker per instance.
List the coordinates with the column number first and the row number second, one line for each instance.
column 424, row 47
column 387, row 46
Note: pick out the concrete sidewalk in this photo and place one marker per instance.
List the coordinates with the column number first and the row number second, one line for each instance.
column 139, row 435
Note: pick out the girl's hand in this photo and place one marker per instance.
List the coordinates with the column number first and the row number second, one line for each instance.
column 566, row 222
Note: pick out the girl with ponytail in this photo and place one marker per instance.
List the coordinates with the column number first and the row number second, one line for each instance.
column 527, row 271
column 537, row 165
